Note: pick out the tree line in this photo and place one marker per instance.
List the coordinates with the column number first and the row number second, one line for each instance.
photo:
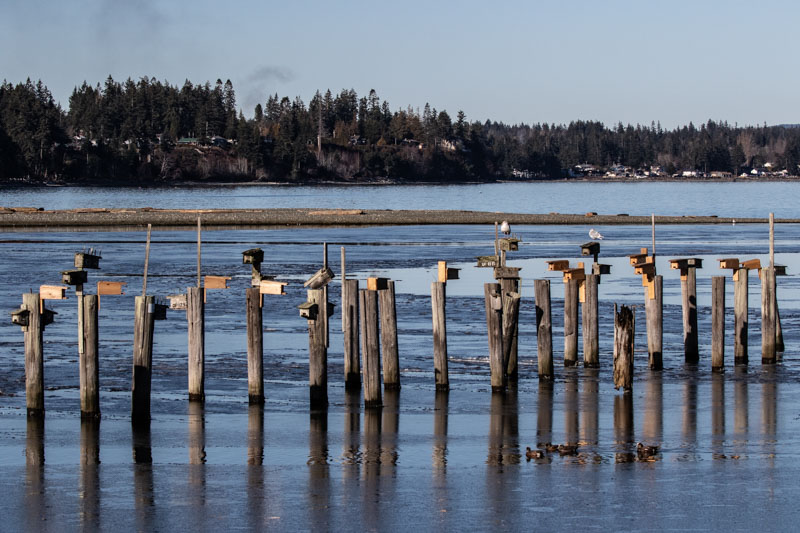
column 149, row 131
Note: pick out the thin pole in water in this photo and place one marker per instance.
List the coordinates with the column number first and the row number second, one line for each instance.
column 146, row 260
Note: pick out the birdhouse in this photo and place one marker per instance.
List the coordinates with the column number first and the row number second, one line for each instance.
column 110, row 287
column 331, row 308
column 590, row 248
column 729, row 263
column 638, row 258
column 321, row 278
column 574, row 274
column 377, row 284
column 752, row 264
column 446, row 273
column 253, row 256
column 178, row 301
column 780, row 270
column 558, row 265
column 507, row 272
column 488, row 261
column 20, row 317
column 216, row 282
column 51, row 292
column 268, row 286
column 87, row 259
column 48, row 316
column 308, row 310
column 599, row 269
column 74, row 277
column 509, row 244
column 159, row 311
column 645, row 269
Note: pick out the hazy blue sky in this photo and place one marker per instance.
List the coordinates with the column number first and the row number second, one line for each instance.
column 514, row 61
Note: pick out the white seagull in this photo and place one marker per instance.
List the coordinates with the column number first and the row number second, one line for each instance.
column 505, row 228
column 595, row 235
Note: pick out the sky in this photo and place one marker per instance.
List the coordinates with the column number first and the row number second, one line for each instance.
column 533, row 61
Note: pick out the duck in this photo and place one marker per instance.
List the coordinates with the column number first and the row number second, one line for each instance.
column 644, row 451
column 568, row 449
column 533, row 454
column 551, row 448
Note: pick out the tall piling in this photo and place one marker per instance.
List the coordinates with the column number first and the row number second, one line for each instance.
column 389, row 351
column 89, row 360
column 544, row 329
column 511, row 303
column 689, row 305
column 370, row 347
column 768, row 316
column 654, row 309
column 508, row 286
column 571, row 322
column 591, row 329
column 34, row 356
column 143, row 323
column 493, row 303
column 717, row 323
column 255, row 347
column 740, row 297
column 352, row 358
column 623, row 348
column 318, row 353
column 438, row 307
column 195, row 316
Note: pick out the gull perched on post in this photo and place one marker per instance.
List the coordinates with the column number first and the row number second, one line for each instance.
column 505, row 228
column 595, row 235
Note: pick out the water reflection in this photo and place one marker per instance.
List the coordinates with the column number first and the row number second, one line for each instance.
column 89, row 490
column 351, row 439
column 571, row 408
column 689, row 425
column 144, row 498
column 35, row 502
column 255, row 471
column 653, row 422
column 255, row 434
column 544, row 414
column 717, row 414
column 319, row 493
column 741, row 406
column 590, row 412
column 391, row 426
column 623, row 428
column 371, row 470
column 504, row 429
column 440, row 412
column 769, row 409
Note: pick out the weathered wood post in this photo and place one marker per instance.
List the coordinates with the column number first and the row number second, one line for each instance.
column 493, row 302
column 352, row 358
column 740, row 297
column 143, row 323
column 388, row 318
column 623, row 348
column 34, row 356
column 511, row 302
column 570, row 322
column 370, row 347
column 318, row 353
column 654, row 309
column 768, row 329
column 591, row 328
column 688, row 269
column 89, row 360
column 195, row 316
column 544, row 329
column 255, row 346
column 438, row 297
column 717, row 323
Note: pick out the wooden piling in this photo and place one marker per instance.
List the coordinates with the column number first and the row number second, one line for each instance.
column 195, row 316
column 623, row 348
column 544, row 329
column 438, row 305
column 318, row 354
column 779, row 345
column 717, row 323
column 143, row 323
column 34, row 356
column 591, row 331
column 511, row 303
column 494, row 310
column 507, row 286
column 89, row 360
column 352, row 359
column 389, row 351
column 740, row 297
column 370, row 347
column 571, row 322
column 768, row 316
column 654, row 310
column 255, row 347
column 689, row 297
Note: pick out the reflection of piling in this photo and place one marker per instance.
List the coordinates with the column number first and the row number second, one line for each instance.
column 255, row 434
column 740, row 316
column 571, row 322
column 391, row 427
column 623, row 348
column 352, row 360
column 34, row 357
column 544, row 329
column 144, row 320
column 370, row 347
column 255, row 347
column 717, row 323
column 591, row 331
column 388, row 318
column 623, row 427
column 741, row 406
column 654, row 412
column 544, row 414
column 440, row 412
column 89, row 481
column 438, row 295
column 34, row 441
column 195, row 315
column 717, row 412
column 494, row 310
column 88, row 360
column 318, row 353
column 590, row 416
column 571, row 420
column 690, row 410
column 768, row 316
column 197, row 434
column 654, row 310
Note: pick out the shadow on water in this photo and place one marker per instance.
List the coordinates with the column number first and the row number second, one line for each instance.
column 319, row 490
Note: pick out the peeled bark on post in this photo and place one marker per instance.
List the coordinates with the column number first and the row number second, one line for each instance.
column 511, row 303
column 142, row 359
column 34, row 356
column 195, row 316
column 255, row 347
column 654, row 310
column 352, row 358
column 544, row 329
column 740, row 297
column 318, row 354
column 89, row 361
column 591, row 331
column 717, row 323
column 494, row 320
column 388, row 316
column 768, row 320
column 571, row 323
column 509, row 285
column 623, row 348
column 438, row 305
column 689, row 297
column 370, row 347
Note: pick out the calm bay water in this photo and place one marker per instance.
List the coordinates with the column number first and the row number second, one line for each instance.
column 728, row 456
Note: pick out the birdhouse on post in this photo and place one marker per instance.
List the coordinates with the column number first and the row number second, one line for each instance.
column 320, row 279
column 254, row 257
column 446, row 273
column 90, row 259
column 214, row 282
column 74, row 277
column 685, row 264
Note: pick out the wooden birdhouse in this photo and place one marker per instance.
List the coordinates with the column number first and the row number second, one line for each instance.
column 87, row 259
column 74, row 277
column 308, row 310
column 253, row 256
column 321, row 278
column 488, row 261
column 446, row 273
